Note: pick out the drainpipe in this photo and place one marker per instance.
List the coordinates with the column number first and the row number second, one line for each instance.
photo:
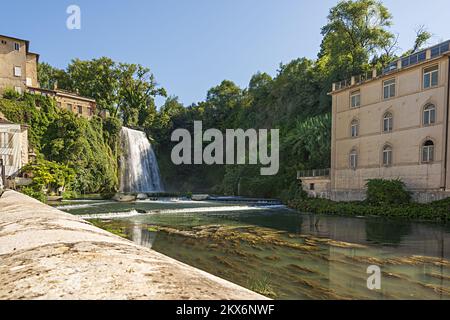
column 446, row 126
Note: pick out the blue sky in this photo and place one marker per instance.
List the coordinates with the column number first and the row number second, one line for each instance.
column 192, row 45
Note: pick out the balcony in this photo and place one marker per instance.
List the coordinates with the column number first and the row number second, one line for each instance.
column 317, row 173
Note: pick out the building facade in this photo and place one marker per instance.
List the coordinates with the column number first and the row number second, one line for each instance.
column 18, row 71
column 18, row 66
column 14, row 153
column 391, row 124
column 394, row 125
column 72, row 102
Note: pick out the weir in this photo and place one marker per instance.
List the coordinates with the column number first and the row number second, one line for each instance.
column 139, row 166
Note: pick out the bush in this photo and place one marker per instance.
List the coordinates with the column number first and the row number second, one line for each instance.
column 11, row 94
column 38, row 195
column 69, row 195
column 436, row 211
column 387, row 192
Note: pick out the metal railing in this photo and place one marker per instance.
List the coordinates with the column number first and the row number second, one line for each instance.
column 313, row 173
column 407, row 61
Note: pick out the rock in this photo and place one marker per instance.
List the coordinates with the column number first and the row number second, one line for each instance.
column 122, row 197
column 200, row 197
column 142, row 196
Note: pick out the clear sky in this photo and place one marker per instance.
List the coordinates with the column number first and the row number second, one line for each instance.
column 192, row 45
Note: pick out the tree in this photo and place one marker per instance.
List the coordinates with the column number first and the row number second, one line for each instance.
column 49, row 76
column 138, row 89
column 422, row 38
column 355, row 33
column 97, row 79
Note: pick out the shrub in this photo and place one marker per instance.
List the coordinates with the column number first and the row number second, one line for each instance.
column 11, row 94
column 36, row 194
column 387, row 192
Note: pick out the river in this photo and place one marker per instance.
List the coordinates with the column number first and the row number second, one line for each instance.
column 284, row 254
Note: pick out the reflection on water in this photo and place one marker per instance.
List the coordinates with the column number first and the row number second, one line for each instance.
column 287, row 255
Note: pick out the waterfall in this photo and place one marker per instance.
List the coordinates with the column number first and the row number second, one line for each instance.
column 139, row 167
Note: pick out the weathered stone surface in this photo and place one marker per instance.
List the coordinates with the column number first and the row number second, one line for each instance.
column 49, row 254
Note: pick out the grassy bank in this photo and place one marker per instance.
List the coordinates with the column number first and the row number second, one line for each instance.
column 438, row 211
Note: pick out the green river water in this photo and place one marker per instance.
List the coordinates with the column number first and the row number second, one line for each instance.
column 284, row 254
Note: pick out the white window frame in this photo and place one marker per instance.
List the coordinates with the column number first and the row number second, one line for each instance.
column 388, row 122
column 427, row 152
column 429, row 115
column 355, row 99
column 17, row 71
column 29, row 82
column 391, row 86
column 429, row 74
column 387, row 156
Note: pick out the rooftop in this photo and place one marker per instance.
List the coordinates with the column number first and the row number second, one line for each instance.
column 397, row 65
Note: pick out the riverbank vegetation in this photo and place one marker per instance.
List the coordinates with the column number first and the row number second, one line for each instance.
column 73, row 154
column 385, row 198
column 438, row 211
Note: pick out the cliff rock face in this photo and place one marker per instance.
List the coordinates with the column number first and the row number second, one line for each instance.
column 49, row 254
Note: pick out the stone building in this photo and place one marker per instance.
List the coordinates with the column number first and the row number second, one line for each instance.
column 392, row 124
column 18, row 71
column 18, row 66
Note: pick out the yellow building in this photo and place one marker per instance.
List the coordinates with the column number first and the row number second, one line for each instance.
column 391, row 124
column 18, row 66
column 18, row 71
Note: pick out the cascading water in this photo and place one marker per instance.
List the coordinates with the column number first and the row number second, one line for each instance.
column 140, row 171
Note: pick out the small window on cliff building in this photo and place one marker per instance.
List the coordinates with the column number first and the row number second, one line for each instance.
column 312, row 186
column 16, row 46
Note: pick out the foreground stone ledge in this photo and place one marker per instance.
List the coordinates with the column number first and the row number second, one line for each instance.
column 48, row 254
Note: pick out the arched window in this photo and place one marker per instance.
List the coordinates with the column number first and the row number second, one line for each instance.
column 387, row 155
column 354, row 128
column 429, row 115
column 428, row 151
column 388, row 122
column 353, row 159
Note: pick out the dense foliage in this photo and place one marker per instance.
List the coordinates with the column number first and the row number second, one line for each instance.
column 61, row 139
column 387, row 192
column 436, row 211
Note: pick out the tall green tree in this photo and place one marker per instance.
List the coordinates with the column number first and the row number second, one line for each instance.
column 355, row 32
column 137, row 93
